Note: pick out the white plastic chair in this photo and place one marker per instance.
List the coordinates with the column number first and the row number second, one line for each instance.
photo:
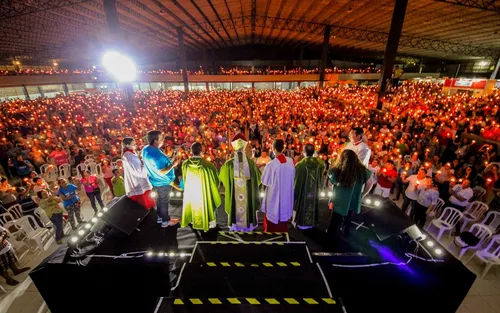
column 42, row 216
column 475, row 210
column 480, row 231
column 98, row 171
column 437, row 208
column 79, row 170
column 65, row 171
column 5, row 218
column 489, row 255
column 448, row 219
column 50, row 173
column 89, row 156
column 16, row 211
column 17, row 238
column 33, row 232
column 478, row 192
column 492, row 221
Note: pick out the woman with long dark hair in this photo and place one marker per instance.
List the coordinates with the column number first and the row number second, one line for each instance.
column 348, row 176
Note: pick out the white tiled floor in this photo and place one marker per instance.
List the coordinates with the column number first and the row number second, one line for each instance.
column 484, row 296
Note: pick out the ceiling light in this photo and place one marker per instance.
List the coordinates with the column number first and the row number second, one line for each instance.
column 119, row 65
column 322, row 194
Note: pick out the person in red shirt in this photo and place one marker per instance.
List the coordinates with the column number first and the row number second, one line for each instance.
column 59, row 155
column 386, row 176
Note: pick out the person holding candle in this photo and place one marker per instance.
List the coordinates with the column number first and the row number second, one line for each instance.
column 278, row 178
column 460, row 196
column 91, row 185
column 52, row 207
column 118, row 183
column 262, row 161
column 59, row 156
column 386, row 176
column 415, row 182
column 308, row 181
column 427, row 199
column 357, row 145
column 161, row 175
column 71, row 202
column 107, row 172
column 201, row 193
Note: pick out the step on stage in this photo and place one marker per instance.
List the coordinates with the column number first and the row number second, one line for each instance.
column 378, row 268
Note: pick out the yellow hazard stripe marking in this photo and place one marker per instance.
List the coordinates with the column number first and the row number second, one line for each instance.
column 233, row 301
column 329, row 301
column 195, row 301
column 267, row 264
column 295, row 263
column 291, row 301
column 211, row 264
column 225, row 264
column 281, row 264
column 310, row 301
column 253, row 301
column 214, row 301
column 178, row 301
column 272, row 301
column 239, row 264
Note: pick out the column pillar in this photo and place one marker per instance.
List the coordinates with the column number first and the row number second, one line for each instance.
column 65, row 89
column 25, row 92
column 391, row 48
column 40, row 90
column 112, row 18
column 495, row 70
column 182, row 58
column 421, row 65
column 214, row 69
column 324, row 55
column 301, row 58
column 207, row 86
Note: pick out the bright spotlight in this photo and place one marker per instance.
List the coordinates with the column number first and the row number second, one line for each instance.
column 81, row 232
column 88, row 226
column 322, row 194
column 377, row 203
column 99, row 214
column 330, row 194
column 149, row 253
column 160, row 254
column 171, row 194
column 74, row 239
column 423, row 237
column 483, row 63
column 262, row 195
column 430, row 244
column 438, row 251
column 119, row 65
column 171, row 254
column 182, row 255
column 178, row 194
column 94, row 220
column 368, row 201
column 153, row 194
column 105, row 209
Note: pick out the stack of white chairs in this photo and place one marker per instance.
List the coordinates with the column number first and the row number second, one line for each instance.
column 51, row 174
column 489, row 255
column 492, row 221
column 17, row 238
column 65, row 171
column 437, row 209
column 474, row 211
column 42, row 216
column 16, row 211
column 79, row 170
column 480, row 231
column 446, row 222
column 5, row 218
column 33, row 232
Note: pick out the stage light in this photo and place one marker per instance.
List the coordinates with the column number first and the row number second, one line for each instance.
column 178, row 194
column 74, row 239
column 88, row 226
column 182, row 255
column 119, row 65
column 171, row 254
column 105, row 209
column 368, row 201
column 149, row 253
column 154, row 194
column 423, row 237
column 171, row 194
column 377, row 203
column 161, row 254
column 99, row 214
column 322, row 194
column 262, row 195
column 430, row 244
column 483, row 63
column 81, row 232
column 93, row 66
column 330, row 194
column 94, row 220
column 438, row 251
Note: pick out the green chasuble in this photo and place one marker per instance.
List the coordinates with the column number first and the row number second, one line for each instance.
column 226, row 176
column 308, row 181
column 201, row 193
column 347, row 199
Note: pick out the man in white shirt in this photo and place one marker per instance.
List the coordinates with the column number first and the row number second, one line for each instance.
column 411, row 194
column 278, row 178
column 357, row 145
column 460, row 195
column 262, row 161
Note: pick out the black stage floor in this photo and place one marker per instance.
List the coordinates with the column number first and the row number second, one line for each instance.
column 419, row 286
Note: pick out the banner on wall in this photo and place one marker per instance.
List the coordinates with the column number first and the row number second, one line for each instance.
column 465, row 83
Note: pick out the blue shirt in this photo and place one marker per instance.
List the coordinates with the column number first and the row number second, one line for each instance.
column 155, row 160
column 68, row 191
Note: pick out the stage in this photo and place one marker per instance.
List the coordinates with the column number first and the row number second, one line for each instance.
column 124, row 277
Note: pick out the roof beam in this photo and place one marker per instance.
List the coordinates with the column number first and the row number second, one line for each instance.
column 254, row 14
column 220, row 20
column 487, row 5
column 13, row 9
column 280, row 9
column 232, row 21
column 208, row 22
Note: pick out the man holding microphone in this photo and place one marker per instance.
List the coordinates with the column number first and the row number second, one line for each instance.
column 161, row 175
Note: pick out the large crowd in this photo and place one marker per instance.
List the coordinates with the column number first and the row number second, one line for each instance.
column 419, row 127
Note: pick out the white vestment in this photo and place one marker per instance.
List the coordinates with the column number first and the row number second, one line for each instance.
column 135, row 175
column 362, row 151
column 278, row 199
